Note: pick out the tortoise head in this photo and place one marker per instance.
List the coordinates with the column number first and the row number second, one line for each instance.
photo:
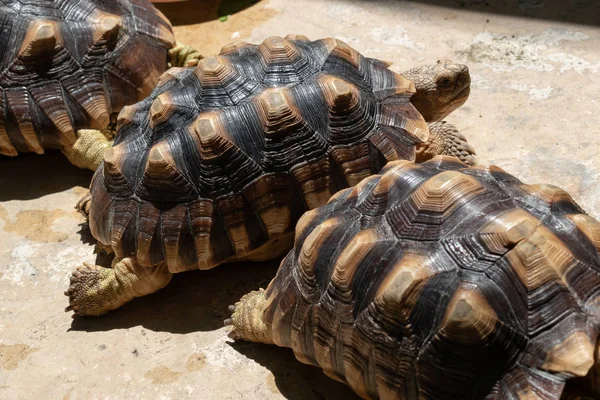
column 441, row 88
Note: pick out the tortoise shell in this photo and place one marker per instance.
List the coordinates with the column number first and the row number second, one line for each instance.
column 221, row 160
column 440, row 281
column 70, row 64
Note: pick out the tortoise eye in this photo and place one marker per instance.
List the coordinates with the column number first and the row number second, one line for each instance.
column 445, row 82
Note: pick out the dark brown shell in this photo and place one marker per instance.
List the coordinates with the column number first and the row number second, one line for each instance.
column 439, row 281
column 221, row 160
column 71, row 64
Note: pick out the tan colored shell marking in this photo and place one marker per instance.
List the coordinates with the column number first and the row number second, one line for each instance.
column 234, row 47
column 18, row 101
column 278, row 50
column 357, row 189
column 574, row 354
column 231, row 210
column 314, row 181
column 126, row 115
column 469, row 318
column 201, row 216
column 279, row 114
column 210, row 136
column 124, row 212
column 6, row 146
column 539, row 258
column 46, row 97
column 508, row 229
column 269, row 197
column 589, row 226
column 113, row 160
column 41, row 37
column 172, row 221
column 349, row 259
column 161, row 109
column 169, row 75
column 160, row 164
column 342, row 96
column 310, row 252
column 399, row 290
column 340, row 49
column 548, row 193
column 214, row 71
column 149, row 217
column 443, row 192
column 393, row 172
column 304, row 222
column 107, row 27
column 354, row 162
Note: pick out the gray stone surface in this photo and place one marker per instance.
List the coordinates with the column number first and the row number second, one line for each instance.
column 534, row 111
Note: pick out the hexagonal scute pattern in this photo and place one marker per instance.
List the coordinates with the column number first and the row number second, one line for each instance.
column 221, row 160
column 68, row 65
column 442, row 281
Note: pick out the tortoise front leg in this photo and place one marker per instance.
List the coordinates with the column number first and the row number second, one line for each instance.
column 95, row 290
column 88, row 150
column 444, row 139
column 246, row 318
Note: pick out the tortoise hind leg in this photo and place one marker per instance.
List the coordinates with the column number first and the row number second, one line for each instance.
column 88, row 150
column 95, row 290
column 444, row 139
column 183, row 56
column 246, row 319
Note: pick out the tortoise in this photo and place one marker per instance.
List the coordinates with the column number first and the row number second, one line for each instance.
column 438, row 281
column 221, row 160
column 73, row 64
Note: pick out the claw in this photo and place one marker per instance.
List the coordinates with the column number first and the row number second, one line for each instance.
column 468, row 148
column 228, row 322
column 470, row 160
column 231, row 308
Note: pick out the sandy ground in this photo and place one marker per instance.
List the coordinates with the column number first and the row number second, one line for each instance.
column 533, row 110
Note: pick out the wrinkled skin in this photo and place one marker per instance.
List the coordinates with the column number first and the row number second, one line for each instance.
column 441, row 88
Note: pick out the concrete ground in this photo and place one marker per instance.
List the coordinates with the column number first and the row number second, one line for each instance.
column 534, row 110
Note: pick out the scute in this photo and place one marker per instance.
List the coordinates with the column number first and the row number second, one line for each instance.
column 487, row 307
column 263, row 134
column 68, row 65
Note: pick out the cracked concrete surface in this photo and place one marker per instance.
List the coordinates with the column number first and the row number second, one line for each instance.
column 533, row 111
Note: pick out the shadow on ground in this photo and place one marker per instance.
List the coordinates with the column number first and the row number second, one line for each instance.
column 30, row 176
column 197, row 11
column 193, row 301
column 295, row 381
column 574, row 11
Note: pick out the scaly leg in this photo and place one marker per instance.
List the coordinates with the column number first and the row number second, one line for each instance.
column 445, row 139
column 247, row 318
column 183, row 56
column 88, row 150
column 96, row 290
